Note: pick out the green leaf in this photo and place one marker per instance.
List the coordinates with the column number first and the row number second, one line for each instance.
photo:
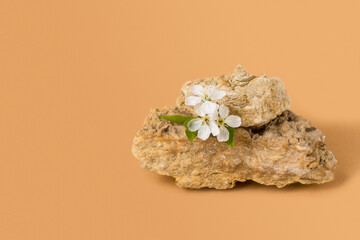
column 191, row 135
column 230, row 142
column 179, row 119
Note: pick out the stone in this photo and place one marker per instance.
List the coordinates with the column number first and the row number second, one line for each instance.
column 286, row 150
column 257, row 100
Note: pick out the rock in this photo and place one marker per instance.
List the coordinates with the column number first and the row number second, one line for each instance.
column 257, row 100
column 284, row 151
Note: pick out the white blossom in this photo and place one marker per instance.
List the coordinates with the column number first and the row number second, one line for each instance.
column 222, row 119
column 204, row 125
column 204, row 97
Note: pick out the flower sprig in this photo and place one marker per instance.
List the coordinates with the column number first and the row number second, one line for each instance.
column 211, row 118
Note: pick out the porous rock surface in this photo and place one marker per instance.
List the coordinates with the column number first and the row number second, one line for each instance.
column 284, row 151
column 257, row 100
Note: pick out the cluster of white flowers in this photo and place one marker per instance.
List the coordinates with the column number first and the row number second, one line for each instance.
column 212, row 118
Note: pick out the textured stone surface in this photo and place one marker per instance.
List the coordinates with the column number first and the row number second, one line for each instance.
column 257, row 100
column 284, row 151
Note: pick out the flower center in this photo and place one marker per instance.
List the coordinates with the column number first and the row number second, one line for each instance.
column 206, row 98
column 206, row 120
column 221, row 121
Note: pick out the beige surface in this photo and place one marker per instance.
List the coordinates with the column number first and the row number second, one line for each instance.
column 77, row 79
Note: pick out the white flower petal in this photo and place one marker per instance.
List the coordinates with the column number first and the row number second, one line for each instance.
column 192, row 100
column 208, row 107
column 204, row 132
column 198, row 109
column 194, row 124
column 233, row 121
column 216, row 95
column 214, row 128
column 223, row 111
column 223, row 136
column 214, row 116
column 197, row 90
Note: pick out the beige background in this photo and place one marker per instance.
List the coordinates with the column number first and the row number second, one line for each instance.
column 78, row 77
